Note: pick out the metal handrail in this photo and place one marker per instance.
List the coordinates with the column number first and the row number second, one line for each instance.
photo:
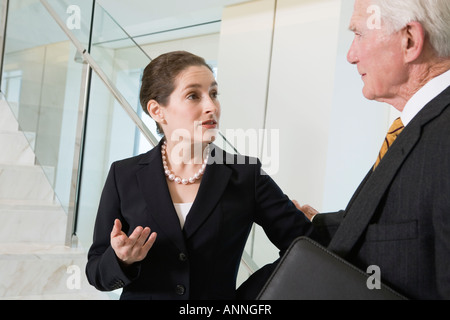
column 4, row 18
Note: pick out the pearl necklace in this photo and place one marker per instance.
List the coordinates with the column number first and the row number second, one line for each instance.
column 173, row 177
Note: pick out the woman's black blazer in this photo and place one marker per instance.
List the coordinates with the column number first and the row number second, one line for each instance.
column 200, row 261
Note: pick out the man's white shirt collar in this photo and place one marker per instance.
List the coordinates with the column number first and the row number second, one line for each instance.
column 422, row 97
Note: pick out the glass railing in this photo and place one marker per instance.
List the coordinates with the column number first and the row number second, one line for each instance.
column 79, row 120
column 42, row 80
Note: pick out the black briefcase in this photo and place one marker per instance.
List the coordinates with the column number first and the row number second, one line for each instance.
column 309, row 271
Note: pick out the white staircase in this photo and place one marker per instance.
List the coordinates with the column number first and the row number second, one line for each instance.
column 34, row 263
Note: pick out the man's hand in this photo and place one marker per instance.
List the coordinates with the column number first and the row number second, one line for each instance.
column 134, row 248
column 307, row 210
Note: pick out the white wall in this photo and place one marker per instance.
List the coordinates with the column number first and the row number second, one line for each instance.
column 301, row 92
column 205, row 46
column 244, row 66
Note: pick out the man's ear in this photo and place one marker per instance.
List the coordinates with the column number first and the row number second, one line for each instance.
column 413, row 41
column 155, row 110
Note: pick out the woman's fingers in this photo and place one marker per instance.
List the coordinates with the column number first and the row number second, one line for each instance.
column 134, row 237
column 133, row 248
column 117, row 228
column 149, row 244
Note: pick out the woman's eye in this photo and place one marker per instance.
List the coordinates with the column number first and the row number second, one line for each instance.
column 214, row 94
column 192, row 96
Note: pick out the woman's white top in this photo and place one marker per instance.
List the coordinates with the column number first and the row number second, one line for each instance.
column 182, row 210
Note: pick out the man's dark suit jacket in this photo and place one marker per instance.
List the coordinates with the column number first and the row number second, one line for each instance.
column 399, row 217
column 201, row 261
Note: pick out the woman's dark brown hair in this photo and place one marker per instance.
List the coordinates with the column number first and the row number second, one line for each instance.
column 158, row 79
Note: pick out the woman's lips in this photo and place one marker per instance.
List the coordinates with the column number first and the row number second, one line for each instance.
column 209, row 124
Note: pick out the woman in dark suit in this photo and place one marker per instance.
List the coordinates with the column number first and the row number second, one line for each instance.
column 173, row 223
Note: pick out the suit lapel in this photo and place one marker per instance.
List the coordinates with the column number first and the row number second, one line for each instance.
column 365, row 203
column 212, row 187
column 358, row 191
column 153, row 185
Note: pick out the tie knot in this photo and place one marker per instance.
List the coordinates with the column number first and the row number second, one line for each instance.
column 397, row 127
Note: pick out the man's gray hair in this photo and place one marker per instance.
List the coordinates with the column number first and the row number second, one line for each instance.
column 434, row 15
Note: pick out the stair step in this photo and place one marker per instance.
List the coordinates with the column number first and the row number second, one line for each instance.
column 16, row 149
column 67, row 296
column 8, row 121
column 34, row 271
column 29, row 205
column 24, row 182
column 37, row 251
column 43, row 223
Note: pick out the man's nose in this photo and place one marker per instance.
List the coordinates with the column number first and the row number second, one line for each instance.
column 352, row 56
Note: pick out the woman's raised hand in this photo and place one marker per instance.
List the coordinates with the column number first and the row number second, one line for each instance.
column 134, row 248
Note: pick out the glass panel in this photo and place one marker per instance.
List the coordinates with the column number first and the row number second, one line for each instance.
column 110, row 136
column 123, row 61
column 41, row 79
column 77, row 15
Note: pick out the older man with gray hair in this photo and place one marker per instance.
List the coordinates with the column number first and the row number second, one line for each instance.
column 399, row 217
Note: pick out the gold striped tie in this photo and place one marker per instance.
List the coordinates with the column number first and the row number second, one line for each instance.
column 396, row 128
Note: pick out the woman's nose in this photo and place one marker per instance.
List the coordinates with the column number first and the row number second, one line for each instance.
column 210, row 105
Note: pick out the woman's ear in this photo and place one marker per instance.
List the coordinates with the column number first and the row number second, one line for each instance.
column 413, row 41
column 155, row 110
